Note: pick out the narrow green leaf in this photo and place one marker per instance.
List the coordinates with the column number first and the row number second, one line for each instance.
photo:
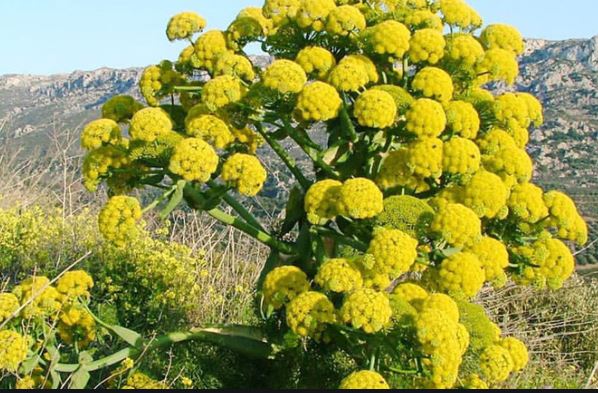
column 29, row 364
column 175, row 199
column 79, row 379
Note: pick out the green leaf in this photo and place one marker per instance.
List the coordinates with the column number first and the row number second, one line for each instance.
column 294, row 210
column 85, row 357
column 247, row 340
column 175, row 199
column 129, row 336
column 56, row 380
column 79, row 379
column 29, row 364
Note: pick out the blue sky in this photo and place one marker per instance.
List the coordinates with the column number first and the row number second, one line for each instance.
column 54, row 36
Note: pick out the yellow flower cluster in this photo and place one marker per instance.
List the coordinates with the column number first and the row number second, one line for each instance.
column 318, row 101
column 565, row 217
column 460, row 275
column 473, row 381
column 496, row 363
column 403, row 100
column 410, row 292
column 387, row 38
column 118, row 219
column 13, row 350
column 424, row 157
column 139, row 380
column 393, row 250
column 360, row 198
column 366, row 309
column 250, row 24
column 209, row 128
column 221, row 91
column 503, row 37
column 352, row 73
column 321, row 201
column 427, row 45
column 9, row 304
column 313, row 13
column 464, row 50
column 316, row 61
column 527, row 203
column 422, row 19
column 339, row 275
column 309, row 313
column 463, row 119
column 281, row 10
column 149, row 123
column 184, row 25
column 364, row 380
column 434, row 83
column 485, row 194
column 458, row 13
column 120, row 108
column 234, row 65
column 551, row 264
column 518, row 352
column 97, row 164
column 494, row 258
column 150, row 84
column 457, row 224
column 406, row 213
column 375, row 109
column 284, row 284
column 512, row 164
column 194, row 160
column 76, row 326
column 40, row 297
column 497, row 65
column 426, row 118
column 284, row 76
column 245, row 172
column 345, row 20
column 461, row 156
column 74, row 284
column 208, row 48
column 100, row 132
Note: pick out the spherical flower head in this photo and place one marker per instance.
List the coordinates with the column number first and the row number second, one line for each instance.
column 565, row 217
column 464, row 49
column 280, row 11
column 459, row 275
column 184, row 25
column 482, row 331
column 221, row 91
column 375, row 109
column 100, row 132
column 535, row 112
column 457, row 224
column 527, row 203
column 339, row 275
column 9, row 304
column 208, row 47
column 74, row 284
column 139, row 380
column 511, row 110
column 149, row 123
column 349, row 75
column 309, row 313
column 321, row 201
column 424, row 157
column 394, row 251
column 249, row 25
column 209, row 128
column 316, row 61
column 495, row 140
column 512, row 164
column 364, row 380
column 461, row 156
column 440, row 303
column 395, row 172
column 120, row 108
column 345, row 20
column 194, row 160
column 496, row 364
column 13, row 350
column 387, row 38
column 118, row 219
column 366, row 309
column 410, row 292
column 284, row 76
column 553, row 261
column 150, row 84
column 502, row 36
column 518, row 352
column 435, row 330
column 434, row 83
column 406, row 213
column 318, row 101
column 497, row 65
column 284, row 284
column 234, row 65
column 41, row 299
column 427, row 45
column 403, row 100
column 313, row 13
column 245, row 172
column 494, row 257
column 422, row 19
column 463, row 119
column 76, row 325
column 473, row 381
column 360, row 198
column 458, row 13
column 426, row 118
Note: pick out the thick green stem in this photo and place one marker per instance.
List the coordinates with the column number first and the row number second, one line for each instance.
column 347, row 123
column 243, row 212
column 188, row 88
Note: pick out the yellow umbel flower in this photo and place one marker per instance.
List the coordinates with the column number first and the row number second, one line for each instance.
column 209, row 128
column 427, row 45
column 535, row 112
column 313, row 13
column 234, row 65
column 426, row 118
column 309, row 313
column 406, row 213
column 75, row 283
column 511, row 110
column 366, row 309
column 251, row 139
column 194, row 160
column 318, row 101
column 184, row 25
column 42, row 299
column 440, row 303
column 460, row 156
column 349, row 75
column 339, row 275
column 502, row 37
column 394, row 251
column 527, row 202
column 26, row 383
column 345, row 20
column 118, row 219
column 249, row 25
column 553, row 261
column 221, row 91
column 497, row 65
column 284, row 76
column 565, row 217
column 459, row 275
column 139, row 380
column 375, row 109
column 13, row 350
column 458, row 13
column 464, row 49
column 280, row 11
column 495, row 140
column 496, row 363
column 494, row 258
column 364, row 380
column 424, row 157
column 512, row 164
column 321, row 201
column 150, row 84
column 245, row 172
column 403, row 100
column 9, row 303
column 316, row 61
column 387, row 38
column 149, row 123
column 463, row 119
column 457, row 224
column 208, row 47
column 422, row 19
column 283, row 284
column 77, row 326
column 120, row 108
column 518, row 352
column 100, row 132
column 473, row 381
column 434, row 83
column 410, row 292
column 395, row 172
column 360, row 198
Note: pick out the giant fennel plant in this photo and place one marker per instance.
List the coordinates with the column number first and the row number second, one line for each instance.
column 421, row 193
